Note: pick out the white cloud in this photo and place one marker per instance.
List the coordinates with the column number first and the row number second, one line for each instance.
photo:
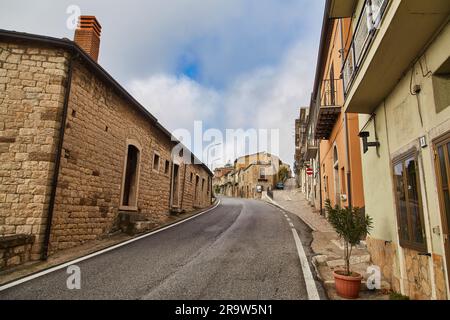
column 225, row 37
column 266, row 98
column 176, row 101
column 244, row 80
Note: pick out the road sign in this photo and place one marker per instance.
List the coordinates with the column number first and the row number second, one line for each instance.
column 309, row 171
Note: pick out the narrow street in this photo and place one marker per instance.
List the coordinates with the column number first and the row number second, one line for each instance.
column 243, row 249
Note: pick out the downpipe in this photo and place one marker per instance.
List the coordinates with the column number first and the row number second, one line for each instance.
column 54, row 185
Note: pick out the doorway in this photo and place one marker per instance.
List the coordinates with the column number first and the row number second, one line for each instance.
column 130, row 184
column 175, row 186
column 197, row 180
column 442, row 159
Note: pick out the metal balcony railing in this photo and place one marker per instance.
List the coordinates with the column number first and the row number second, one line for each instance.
column 328, row 108
column 329, row 95
column 368, row 22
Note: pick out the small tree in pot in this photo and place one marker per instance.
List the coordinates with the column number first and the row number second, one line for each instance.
column 351, row 226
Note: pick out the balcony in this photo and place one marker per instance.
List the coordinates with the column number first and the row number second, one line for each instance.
column 329, row 110
column 342, row 8
column 389, row 35
column 365, row 31
column 310, row 150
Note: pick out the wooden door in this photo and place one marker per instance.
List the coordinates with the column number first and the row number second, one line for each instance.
column 442, row 159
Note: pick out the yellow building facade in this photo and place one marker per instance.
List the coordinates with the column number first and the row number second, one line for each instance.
column 396, row 76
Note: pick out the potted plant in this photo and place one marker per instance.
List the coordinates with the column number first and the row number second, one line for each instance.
column 351, row 226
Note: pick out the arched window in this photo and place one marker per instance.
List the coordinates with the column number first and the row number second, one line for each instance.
column 130, row 183
column 175, row 197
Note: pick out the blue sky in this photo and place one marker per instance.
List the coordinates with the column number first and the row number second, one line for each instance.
column 231, row 63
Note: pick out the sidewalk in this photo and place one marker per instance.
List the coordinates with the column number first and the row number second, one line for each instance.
column 326, row 245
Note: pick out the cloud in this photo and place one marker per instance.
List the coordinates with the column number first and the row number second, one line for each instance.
column 176, row 101
column 270, row 98
column 266, row 98
column 250, row 61
column 225, row 37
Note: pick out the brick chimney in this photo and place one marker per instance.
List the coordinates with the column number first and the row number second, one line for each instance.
column 87, row 35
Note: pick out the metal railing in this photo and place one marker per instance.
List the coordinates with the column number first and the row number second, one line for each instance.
column 368, row 22
column 329, row 95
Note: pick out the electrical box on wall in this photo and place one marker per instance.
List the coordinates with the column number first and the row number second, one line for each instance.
column 423, row 142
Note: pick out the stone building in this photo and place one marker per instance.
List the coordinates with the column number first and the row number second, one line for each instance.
column 300, row 164
column 78, row 154
column 396, row 72
column 256, row 178
column 309, row 154
column 250, row 176
column 219, row 178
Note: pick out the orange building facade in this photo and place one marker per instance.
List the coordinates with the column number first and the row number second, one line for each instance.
column 340, row 150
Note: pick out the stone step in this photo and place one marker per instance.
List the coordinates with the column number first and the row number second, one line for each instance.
column 340, row 245
column 353, row 260
column 133, row 223
column 322, row 260
column 384, row 285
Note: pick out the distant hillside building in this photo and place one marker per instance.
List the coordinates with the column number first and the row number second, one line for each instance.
column 250, row 176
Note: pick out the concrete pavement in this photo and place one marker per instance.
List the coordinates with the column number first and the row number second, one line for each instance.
column 243, row 249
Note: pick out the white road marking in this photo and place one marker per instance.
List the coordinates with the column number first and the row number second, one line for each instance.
column 311, row 287
column 291, row 224
column 310, row 283
column 67, row 264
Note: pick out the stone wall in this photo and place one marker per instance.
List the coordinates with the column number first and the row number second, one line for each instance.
column 418, row 283
column 252, row 180
column 384, row 255
column 99, row 127
column 15, row 250
column 203, row 197
column 439, row 275
column 32, row 86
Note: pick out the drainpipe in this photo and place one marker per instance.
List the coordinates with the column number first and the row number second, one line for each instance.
column 211, row 190
column 58, row 155
column 184, row 185
column 349, row 171
column 320, row 184
column 347, row 139
column 171, row 185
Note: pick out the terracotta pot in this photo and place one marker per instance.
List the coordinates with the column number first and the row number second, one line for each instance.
column 347, row 287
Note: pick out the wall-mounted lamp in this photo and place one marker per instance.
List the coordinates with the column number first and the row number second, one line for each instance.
column 364, row 135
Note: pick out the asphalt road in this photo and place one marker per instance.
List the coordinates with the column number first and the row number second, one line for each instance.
column 243, row 249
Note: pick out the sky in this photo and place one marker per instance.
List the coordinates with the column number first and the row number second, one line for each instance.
column 233, row 64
